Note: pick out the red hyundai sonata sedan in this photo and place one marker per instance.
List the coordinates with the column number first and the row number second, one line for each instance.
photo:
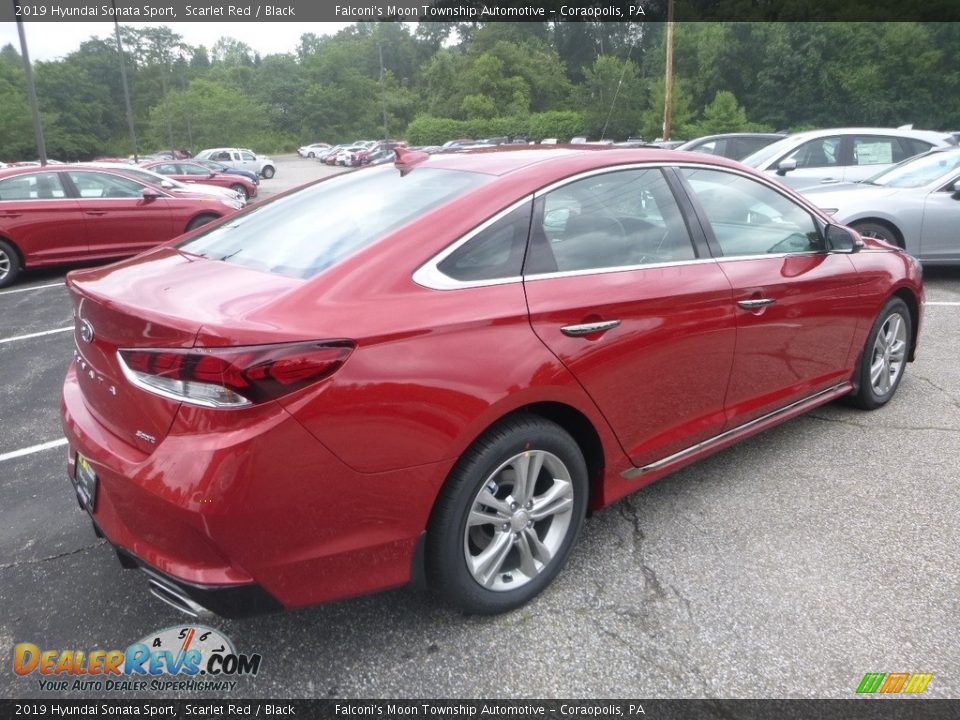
column 439, row 366
column 69, row 213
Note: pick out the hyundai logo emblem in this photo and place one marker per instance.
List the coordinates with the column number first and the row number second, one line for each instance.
column 86, row 331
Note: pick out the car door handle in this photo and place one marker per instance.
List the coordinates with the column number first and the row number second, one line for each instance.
column 10, row 214
column 755, row 303
column 589, row 328
column 95, row 212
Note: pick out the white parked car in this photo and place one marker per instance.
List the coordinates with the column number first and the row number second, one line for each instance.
column 837, row 155
column 312, row 150
column 241, row 158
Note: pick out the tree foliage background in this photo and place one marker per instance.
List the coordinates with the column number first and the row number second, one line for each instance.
column 442, row 81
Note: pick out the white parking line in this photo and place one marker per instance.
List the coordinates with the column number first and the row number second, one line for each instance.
column 35, row 287
column 33, row 335
column 943, row 304
column 33, row 449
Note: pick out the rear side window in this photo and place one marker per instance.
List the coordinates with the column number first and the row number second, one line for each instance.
column 879, row 150
column 103, row 185
column 494, row 252
column 308, row 231
column 38, row 186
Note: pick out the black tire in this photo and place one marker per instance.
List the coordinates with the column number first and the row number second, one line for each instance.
column 884, row 356
column 878, row 230
column 268, row 171
column 240, row 189
column 9, row 264
column 527, row 543
column 200, row 220
column 311, row 155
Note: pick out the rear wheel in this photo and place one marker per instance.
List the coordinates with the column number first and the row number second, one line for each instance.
column 9, row 264
column 884, row 357
column 268, row 172
column 199, row 221
column 238, row 188
column 508, row 516
column 879, row 231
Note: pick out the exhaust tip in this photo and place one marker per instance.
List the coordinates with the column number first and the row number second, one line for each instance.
column 174, row 597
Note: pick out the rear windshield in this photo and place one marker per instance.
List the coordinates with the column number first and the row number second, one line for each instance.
column 308, row 231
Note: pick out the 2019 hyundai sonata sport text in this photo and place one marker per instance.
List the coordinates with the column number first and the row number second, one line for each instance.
column 442, row 364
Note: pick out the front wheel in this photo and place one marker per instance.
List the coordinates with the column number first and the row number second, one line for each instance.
column 240, row 190
column 200, row 221
column 508, row 516
column 884, row 357
column 268, row 172
column 878, row 231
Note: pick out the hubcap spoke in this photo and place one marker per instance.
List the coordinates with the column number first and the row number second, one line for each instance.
column 540, row 551
column 527, row 469
column 527, row 565
column 478, row 517
column 487, row 498
column 558, row 499
column 487, row 564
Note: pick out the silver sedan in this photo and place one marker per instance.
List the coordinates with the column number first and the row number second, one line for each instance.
column 915, row 204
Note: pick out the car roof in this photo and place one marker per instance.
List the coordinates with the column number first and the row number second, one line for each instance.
column 504, row 159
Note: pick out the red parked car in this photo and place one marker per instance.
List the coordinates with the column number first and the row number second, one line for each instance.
column 439, row 367
column 67, row 213
column 191, row 172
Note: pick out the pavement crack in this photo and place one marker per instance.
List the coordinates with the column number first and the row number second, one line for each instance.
column 946, row 393
column 629, row 512
column 865, row 426
column 34, row 561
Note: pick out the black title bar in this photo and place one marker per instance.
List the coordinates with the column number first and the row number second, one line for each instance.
column 166, row 11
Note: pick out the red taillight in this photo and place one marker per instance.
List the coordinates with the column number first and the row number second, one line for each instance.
column 233, row 377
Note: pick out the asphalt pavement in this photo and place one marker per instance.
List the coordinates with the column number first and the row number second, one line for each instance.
column 787, row 566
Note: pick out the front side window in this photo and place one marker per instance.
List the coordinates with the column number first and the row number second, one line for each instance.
column 248, row 156
column 191, row 169
column 35, row 186
column 102, row 185
column 617, row 219
column 822, row 152
column 750, row 218
column 310, row 230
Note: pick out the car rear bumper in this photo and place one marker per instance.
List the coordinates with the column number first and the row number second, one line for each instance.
column 260, row 514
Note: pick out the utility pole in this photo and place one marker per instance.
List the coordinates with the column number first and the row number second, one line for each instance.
column 126, row 88
column 383, row 92
column 668, row 82
column 31, row 88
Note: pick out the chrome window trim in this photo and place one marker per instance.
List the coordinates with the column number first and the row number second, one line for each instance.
column 620, row 268
column 429, row 275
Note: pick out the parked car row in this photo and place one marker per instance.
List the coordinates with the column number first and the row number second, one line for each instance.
column 68, row 213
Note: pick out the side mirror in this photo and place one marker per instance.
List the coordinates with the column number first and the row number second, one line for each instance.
column 166, row 184
column 785, row 166
column 211, row 174
column 841, row 239
column 956, row 190
column 150, row 194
